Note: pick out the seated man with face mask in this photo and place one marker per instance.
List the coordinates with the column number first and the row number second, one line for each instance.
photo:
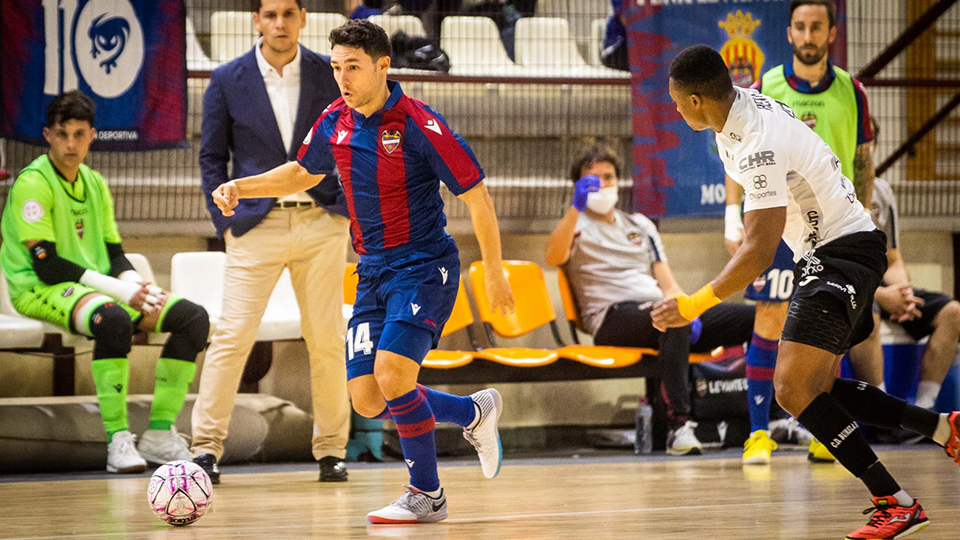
column 618, row 269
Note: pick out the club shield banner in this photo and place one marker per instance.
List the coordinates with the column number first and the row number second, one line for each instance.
column 128, row 55
column 677, row 172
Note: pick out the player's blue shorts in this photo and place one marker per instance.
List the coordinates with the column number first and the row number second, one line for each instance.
column 418, row 288
column 775, row 284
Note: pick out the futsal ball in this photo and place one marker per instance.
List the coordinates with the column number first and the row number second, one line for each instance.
column 179, row 492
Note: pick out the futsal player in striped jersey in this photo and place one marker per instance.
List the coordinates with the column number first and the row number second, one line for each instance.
column 392, row 152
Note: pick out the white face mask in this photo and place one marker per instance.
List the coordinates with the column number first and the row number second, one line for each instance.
column 602, row 201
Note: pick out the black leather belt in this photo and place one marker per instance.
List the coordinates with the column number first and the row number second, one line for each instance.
column 294, row 204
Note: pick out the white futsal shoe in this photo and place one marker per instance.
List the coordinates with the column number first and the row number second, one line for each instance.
column 683, row 441
column 163, row 445
column 122, row 455
column 413, row 506
column 485, row 436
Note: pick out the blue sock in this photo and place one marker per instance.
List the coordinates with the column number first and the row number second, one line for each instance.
column 415, row 424
column 458, row 410
column 761, row 361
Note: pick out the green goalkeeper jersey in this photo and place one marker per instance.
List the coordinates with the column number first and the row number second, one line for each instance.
column 41, row 205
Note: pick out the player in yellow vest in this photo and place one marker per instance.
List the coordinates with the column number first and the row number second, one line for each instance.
column 63, row 262
column 834, row 105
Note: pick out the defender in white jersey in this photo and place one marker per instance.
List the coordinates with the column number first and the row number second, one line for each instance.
column 794, row 188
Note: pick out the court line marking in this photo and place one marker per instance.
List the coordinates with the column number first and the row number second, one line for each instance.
column 135, row 534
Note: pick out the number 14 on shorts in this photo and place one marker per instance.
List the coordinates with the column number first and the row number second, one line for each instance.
column 359, row 341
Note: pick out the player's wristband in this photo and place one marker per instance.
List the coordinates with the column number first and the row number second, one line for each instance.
column 732, row 223
column 121, row 291
column 693, row 305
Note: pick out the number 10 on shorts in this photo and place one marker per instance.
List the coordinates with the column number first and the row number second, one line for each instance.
column 359, row 342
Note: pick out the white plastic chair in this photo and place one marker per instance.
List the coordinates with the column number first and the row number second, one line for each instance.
column 198, row 277
column 16, row 331
column 408, row 24
column 6, row 308
column 316, row 34
column 197, row 60
column 231, row 34
column 597, row 29
column 545, row 45
column 474, row 47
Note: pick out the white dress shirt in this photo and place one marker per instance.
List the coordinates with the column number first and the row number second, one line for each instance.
column 284, row 94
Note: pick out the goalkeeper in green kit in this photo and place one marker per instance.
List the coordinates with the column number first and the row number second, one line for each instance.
column 62, row 258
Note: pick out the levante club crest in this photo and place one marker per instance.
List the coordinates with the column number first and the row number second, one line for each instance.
column 390, row 140
column 742, row 54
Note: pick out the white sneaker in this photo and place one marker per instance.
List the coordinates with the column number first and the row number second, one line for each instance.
column 683, row 441
column 484, row 436
column 413, row 506
column 122, row 455
column 789, row 431
column 162, row 445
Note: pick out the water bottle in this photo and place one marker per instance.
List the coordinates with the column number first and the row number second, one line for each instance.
column 644, row 441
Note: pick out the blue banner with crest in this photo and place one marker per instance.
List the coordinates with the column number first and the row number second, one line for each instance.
column 128, row 55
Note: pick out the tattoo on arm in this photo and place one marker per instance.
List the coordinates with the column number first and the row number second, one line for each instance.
column 863, row 174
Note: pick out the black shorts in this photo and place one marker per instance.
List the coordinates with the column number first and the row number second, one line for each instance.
column 933, row 302
column 835, row 283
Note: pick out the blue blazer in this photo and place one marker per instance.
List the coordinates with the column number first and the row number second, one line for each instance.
column 238, row 120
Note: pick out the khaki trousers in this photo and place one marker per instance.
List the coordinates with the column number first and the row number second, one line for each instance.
column 312, row 243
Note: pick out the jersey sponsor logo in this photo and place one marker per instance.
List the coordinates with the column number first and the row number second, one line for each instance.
column 390, row 140
column 760, row 159
column 340, row 135
column 760, row 283
column 813, row 219
column 760, row 181
column 433, row 126
column 807, row 280
column 79, row 227
column 758, row 399
column 415, row 308
column 736, row 137
column 443, row 274
column 410, row 462
column 309, row 137
column 786, row 108
column 32, row 211
column 118, row 387
column 764, row 195
column 809, row 119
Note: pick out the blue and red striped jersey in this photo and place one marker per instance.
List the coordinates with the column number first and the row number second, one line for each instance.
column 389, row 165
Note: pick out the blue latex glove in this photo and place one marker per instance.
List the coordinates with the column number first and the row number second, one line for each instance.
column 584, row 187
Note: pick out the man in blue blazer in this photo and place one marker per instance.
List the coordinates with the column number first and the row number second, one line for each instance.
column 256, row 111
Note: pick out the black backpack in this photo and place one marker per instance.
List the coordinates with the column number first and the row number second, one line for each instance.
column 417, row 52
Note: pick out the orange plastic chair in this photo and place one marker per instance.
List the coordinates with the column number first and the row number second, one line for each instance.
column 526, row 280
column 460, row 318
column 350, row 281
column 572, row 313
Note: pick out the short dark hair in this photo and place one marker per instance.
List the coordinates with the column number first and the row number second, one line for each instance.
column 257, row 5
column 362, row 34
column 831, row 9
column 598, row 153
column 702, row 71
column 73, row 105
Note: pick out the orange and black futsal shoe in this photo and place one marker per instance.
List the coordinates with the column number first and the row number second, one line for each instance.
column 953, row 443
column 890, row 520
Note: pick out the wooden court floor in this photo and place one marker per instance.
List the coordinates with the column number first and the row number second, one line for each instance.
column 598, row 498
